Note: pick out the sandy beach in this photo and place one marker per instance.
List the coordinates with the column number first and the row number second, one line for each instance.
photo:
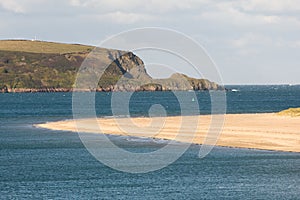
column 260, row 131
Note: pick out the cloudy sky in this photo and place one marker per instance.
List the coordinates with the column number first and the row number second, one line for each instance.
column 251, row 41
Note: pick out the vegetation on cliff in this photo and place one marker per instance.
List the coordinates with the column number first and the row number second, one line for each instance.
column 35, row 66
column 292, row 112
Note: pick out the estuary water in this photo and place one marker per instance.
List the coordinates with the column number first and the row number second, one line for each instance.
column 43, row 164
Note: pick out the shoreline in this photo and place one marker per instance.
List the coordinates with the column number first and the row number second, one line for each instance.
column 71, row 90
column 264, row 131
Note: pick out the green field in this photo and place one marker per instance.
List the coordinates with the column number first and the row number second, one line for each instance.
column 42, row 47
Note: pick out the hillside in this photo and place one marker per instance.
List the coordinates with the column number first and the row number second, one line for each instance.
column 36, row 66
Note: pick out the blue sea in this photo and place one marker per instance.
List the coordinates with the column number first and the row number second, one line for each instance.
column 43, row 164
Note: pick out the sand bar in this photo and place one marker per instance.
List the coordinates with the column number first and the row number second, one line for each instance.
column 260, row 131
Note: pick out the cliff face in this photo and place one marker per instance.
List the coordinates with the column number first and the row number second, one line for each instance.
column 52, row 67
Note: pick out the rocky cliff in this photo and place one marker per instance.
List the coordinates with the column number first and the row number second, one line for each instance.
column 35, row 66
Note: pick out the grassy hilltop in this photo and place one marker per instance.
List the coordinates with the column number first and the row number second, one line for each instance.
column 42, row 47
column 33, row 66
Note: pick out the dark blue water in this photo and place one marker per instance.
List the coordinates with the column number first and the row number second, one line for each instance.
column 38, row 163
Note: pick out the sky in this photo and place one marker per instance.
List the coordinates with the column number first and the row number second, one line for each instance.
column 251, row 41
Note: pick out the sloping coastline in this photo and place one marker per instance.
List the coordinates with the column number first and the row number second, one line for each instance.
column 38, row 66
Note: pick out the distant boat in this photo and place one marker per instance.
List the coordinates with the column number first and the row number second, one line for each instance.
column 234, row 90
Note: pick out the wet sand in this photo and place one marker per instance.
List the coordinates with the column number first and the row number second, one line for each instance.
column 260, row 131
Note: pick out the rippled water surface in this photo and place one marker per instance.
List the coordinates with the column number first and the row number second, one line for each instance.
column 39, row 163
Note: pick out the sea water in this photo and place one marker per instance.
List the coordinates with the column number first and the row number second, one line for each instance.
column 38, row 163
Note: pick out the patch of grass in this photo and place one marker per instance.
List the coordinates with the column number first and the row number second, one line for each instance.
column 293, row 112
column 42, row 47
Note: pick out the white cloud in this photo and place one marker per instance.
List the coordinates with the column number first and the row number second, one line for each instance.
column 134, row 11
column 12, row 5
column 271, row 19
column 287, row 44
column 28, row 6
column 75, row 2
column 270, row 5
column 259, row 42
column 124, row 18
column 296, row 44
column 252, row 39
column 173, row 5
column 150, row 6
column 230, row 13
